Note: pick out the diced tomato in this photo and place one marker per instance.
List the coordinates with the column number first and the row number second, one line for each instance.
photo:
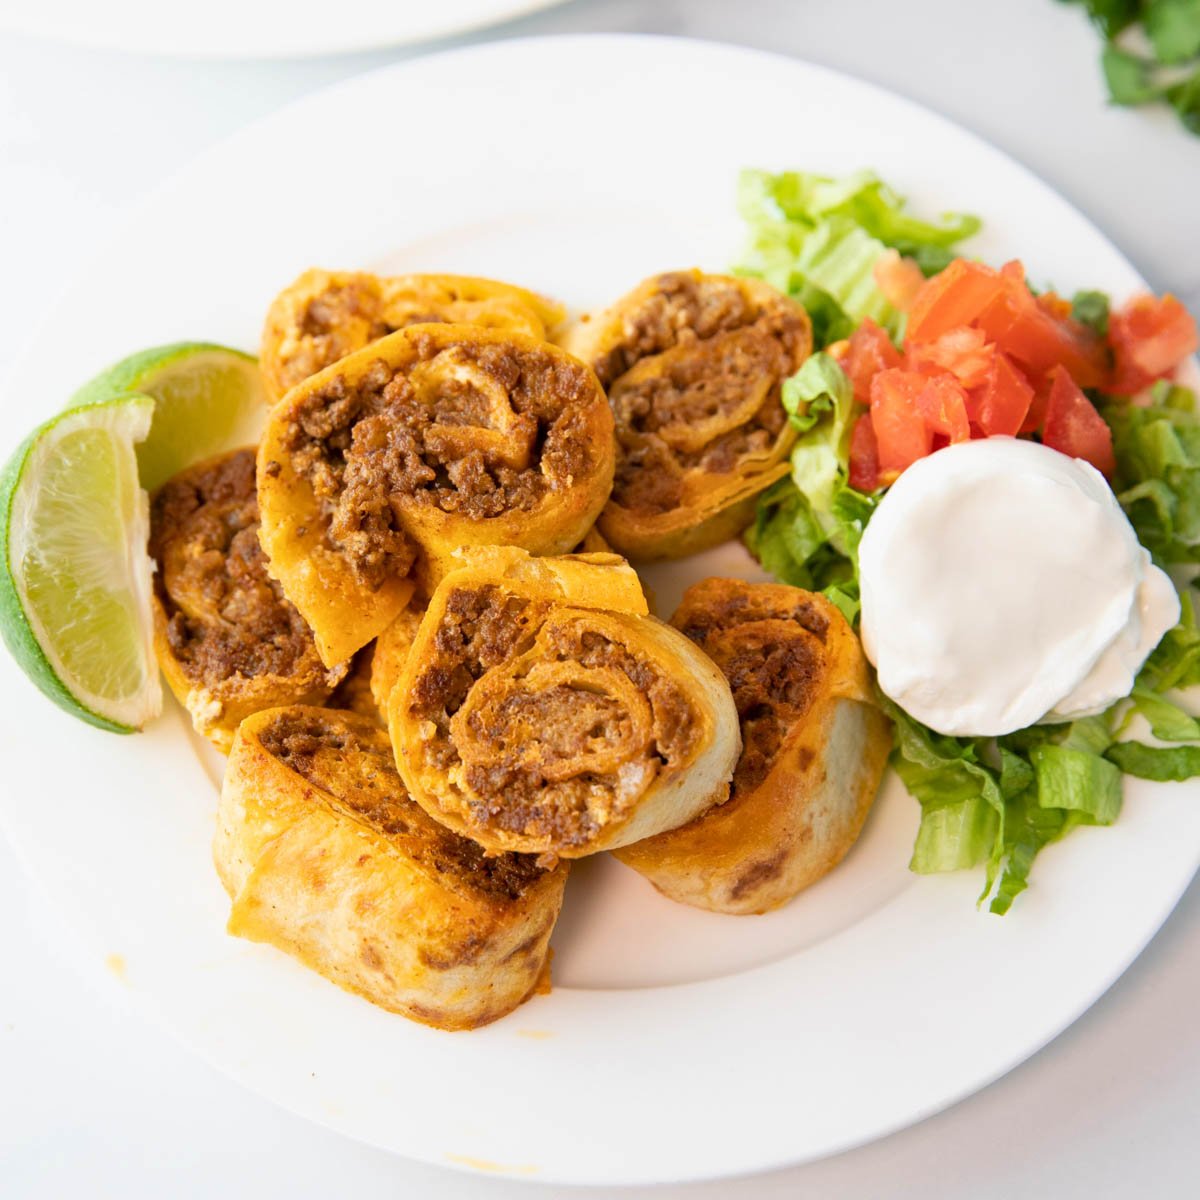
column 1074, row 427
column 953, row 297
column 902, row 434
column 1150, row 337
column 898, row 278
column 942, row 402
column 964, row 352
column 984, row 357
column 1000, row 404
column 1037, row 409
column 864, row 455
column 1055, row 305
column 1020, row 327
column 1013, row 272
column 868, row 352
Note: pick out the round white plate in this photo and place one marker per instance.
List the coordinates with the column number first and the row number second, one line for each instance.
column 676, row 1044
column 255, row 29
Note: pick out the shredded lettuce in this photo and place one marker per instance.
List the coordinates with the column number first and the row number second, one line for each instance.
column 998, row 802
column 1175, row 661
column 807, row 527
column 819, row 400
column 1158, row 471
column 1164, row 764
column 1091, row 309
column 1168, row 722
column 798, row 547
column 818, row 239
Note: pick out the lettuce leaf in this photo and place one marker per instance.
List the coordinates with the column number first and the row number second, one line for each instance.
column 795, row 545
column 786, row 535
column 1168, row 722
column 819, row 400
column 962, row 806
column 807, row 527
column 1091, row 309
column 1001, row 801
column 1157, row 449
column 861, row 197
column 830, row 321
column 809, row 231
column 1163, row 764
column 1077, row 781
column 1175, row 661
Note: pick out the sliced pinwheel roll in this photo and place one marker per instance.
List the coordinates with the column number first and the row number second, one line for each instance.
column 434, row 438
column 693, row 366
column 325, row 315
column 814, row 747
column 228, row 641
column 541, row 709
column 326, row 857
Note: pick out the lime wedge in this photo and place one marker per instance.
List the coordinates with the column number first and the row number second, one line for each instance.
column 74, row 572
column 210, row 399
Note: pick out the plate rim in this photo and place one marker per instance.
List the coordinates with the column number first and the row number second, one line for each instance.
column 388, row 38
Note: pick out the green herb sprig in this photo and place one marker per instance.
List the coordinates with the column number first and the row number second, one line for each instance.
column 1170, row 71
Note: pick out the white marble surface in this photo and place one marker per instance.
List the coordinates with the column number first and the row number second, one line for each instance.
column 94, row 1102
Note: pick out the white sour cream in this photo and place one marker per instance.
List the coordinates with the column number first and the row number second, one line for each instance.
column 1002, row 585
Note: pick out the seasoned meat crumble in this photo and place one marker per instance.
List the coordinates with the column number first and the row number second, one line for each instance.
column 225, row 615
column 695, row 386
column 769, row 648
column 478, row 430
column 573, row 725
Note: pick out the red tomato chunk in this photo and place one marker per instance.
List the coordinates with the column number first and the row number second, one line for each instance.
column 1073, row 425
column 1150, row 337
column 984, row 357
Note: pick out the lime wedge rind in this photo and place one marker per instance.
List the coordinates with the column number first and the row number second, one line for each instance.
column 47, row 584
column 131, row 373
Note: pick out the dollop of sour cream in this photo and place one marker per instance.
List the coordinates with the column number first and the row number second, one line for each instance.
column 1002, row 585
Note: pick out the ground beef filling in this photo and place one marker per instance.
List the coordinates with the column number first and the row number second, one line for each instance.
column 225, row 615
column 481, row 628
column 331, row 324
column 698, row 389
column 726, row 604
column 435, row 434
column 350, row 759
column 774, row 665
column 680, row 307
column 561, row 760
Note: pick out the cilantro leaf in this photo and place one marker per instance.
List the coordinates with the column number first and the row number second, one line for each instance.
column 1173, row 27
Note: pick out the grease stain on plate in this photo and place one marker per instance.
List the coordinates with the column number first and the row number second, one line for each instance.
column 484, row 1164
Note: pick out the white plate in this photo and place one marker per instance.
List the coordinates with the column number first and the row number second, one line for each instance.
column 676, row 1044
column 255, row 28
